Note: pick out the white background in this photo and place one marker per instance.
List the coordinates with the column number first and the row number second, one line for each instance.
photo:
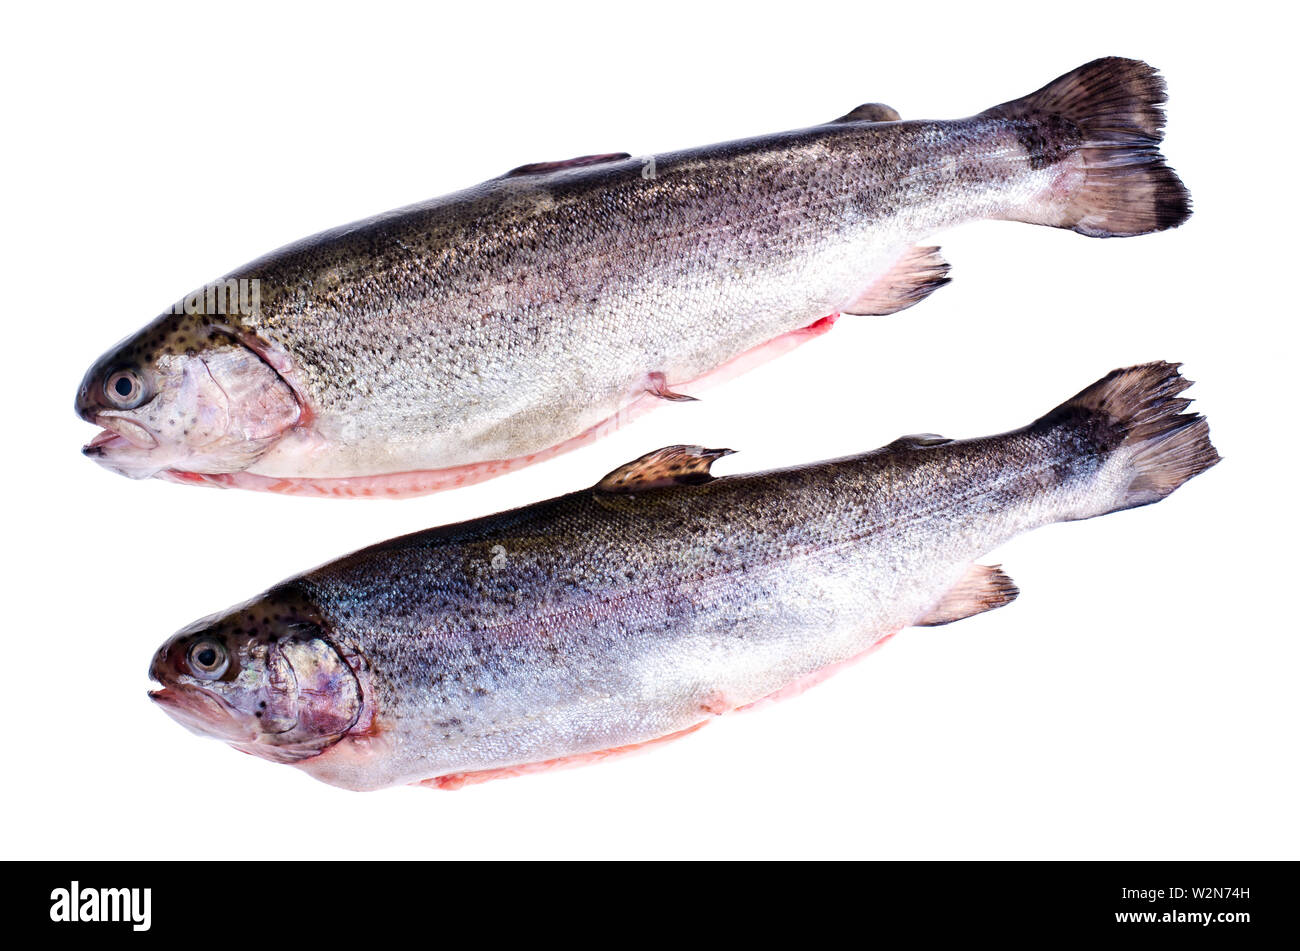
column 1138, row 700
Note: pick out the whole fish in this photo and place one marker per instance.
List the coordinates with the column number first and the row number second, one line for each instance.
column 637, row 610
column 453, row 340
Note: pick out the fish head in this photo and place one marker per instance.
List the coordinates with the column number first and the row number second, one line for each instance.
column 184, row 394
column 264, row 676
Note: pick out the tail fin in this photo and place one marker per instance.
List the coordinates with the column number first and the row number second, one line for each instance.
column 1109, row 114
column 1136, row 417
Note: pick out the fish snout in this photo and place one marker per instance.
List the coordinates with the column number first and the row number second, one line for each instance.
column 90, row 400
column 197, row 709
column 203, row 713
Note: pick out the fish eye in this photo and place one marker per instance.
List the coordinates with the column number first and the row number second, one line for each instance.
column 124, row 389
column 208, row 659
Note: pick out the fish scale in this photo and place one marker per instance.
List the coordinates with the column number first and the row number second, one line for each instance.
column 637, row 610
column 449, row 341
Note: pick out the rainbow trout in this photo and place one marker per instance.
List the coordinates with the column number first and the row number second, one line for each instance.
column 637, row 610
column 450, row 341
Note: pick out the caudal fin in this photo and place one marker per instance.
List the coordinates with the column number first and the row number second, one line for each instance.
column 1135, row 418
column 1107, row 119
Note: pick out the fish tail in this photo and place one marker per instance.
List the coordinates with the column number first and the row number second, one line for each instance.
column 1100, row 125
column 1131, row 422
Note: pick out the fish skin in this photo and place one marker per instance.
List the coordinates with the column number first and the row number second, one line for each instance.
column 641, row 608
column 507, row 320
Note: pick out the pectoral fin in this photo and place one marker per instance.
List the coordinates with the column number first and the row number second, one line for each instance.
column 658, row 386
column 672, row 465
column 982, row 588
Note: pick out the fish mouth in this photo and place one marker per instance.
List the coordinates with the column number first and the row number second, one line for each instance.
column 203, row 713
column 125, row 447
column 118, row 433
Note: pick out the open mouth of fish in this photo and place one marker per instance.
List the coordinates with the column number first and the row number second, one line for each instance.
column 116, row 433
column 201, row 712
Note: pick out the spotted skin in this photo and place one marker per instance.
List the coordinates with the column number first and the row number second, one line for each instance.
column 643, row 607
column 477, row 331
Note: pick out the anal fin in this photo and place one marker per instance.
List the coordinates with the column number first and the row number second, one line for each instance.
column 982, row 588
column 912, row 278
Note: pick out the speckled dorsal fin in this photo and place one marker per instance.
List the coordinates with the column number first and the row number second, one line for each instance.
column 982, row 588
column 672, row 465
column 871, row 112
column 540, row 168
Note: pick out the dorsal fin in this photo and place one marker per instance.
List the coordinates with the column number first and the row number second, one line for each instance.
column 672, row 465
column 919, row 441
column 871, row 112
column 539, row 168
